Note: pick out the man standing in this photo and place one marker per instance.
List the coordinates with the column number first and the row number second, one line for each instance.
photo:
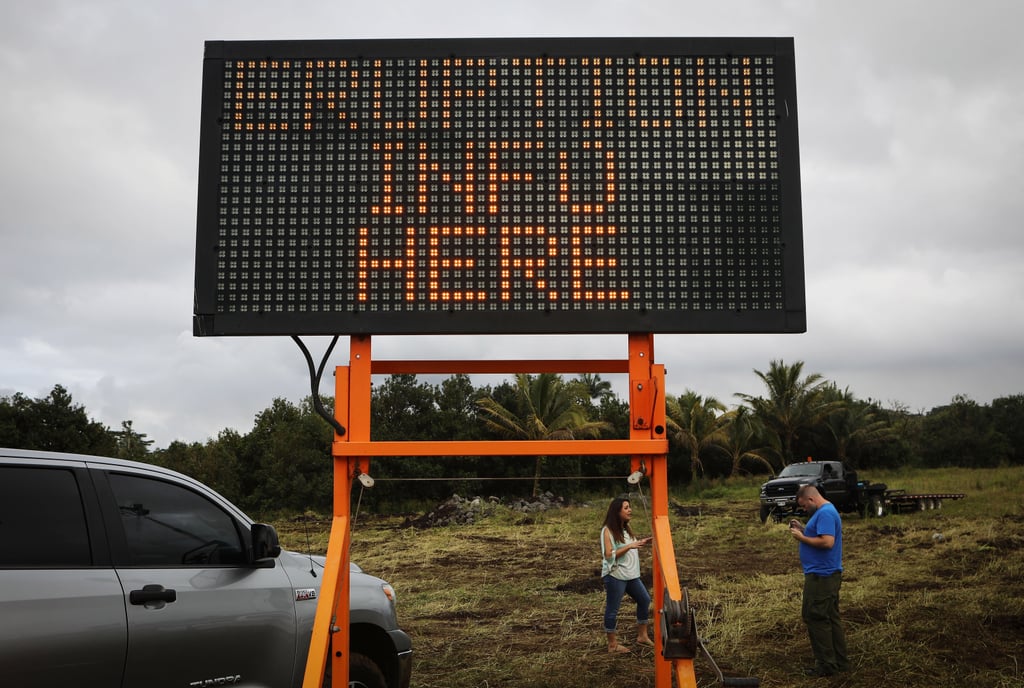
column 821, row 554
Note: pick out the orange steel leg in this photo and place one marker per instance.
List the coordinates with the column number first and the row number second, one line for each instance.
column 331, row 623
column 647, row 421
column 358, row 430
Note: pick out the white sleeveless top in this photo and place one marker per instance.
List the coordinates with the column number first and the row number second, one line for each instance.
column 624, row 567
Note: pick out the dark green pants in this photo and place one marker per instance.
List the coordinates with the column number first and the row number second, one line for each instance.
column 821, row 614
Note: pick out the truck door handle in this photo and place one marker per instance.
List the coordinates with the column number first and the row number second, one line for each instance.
column 152, row 593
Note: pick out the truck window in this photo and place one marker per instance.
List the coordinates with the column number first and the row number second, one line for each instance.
column 800, row 470
column 42, row 520
column 169, row 525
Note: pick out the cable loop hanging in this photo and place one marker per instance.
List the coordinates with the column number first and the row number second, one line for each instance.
column 315, row 374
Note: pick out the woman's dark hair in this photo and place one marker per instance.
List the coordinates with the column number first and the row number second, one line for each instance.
column 613, row 522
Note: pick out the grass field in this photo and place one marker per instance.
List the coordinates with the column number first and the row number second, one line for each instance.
column 929, row 599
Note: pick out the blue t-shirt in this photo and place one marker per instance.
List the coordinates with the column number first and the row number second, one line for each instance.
column 823, row 562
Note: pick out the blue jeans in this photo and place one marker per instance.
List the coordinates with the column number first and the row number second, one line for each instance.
column 615, row 589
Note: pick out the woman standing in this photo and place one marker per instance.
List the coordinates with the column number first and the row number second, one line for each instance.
column 620, row 570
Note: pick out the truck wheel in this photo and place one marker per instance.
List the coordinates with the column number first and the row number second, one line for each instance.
column 362, row 673
column 877, row 507
column 765, row 512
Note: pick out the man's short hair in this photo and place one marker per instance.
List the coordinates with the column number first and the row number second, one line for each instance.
column 808, row 491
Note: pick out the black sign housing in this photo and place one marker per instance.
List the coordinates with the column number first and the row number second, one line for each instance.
column 499, row 186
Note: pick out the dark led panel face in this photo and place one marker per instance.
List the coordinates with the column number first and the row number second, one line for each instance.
column 499, row 186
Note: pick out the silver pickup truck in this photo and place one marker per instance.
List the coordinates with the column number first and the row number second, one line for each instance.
column 121, row 574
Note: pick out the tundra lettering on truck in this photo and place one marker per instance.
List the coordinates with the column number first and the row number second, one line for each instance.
column 222, row 681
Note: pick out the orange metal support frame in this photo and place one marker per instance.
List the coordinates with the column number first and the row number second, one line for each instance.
column 647, row 448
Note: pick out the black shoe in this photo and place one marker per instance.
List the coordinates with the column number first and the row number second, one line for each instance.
column 817, row 671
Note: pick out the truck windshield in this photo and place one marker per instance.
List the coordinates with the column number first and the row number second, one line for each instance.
column 797, row 470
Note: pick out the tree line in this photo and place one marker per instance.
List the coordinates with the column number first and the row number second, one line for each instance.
column 284, row 461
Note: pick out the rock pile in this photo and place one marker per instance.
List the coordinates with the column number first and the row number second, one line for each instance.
column 462, row 511
column 539, row 503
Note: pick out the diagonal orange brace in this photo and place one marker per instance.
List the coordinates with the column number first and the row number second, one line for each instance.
column 685, row 675
column 331, row 590
column 665, row 551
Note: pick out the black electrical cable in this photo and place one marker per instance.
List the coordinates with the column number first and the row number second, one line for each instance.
column 314, row 381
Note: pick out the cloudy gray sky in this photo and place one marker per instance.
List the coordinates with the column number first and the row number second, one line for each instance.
column 912, row 161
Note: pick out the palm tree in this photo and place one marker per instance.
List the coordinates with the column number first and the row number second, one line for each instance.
column 741, row 440
column 792, row 405
column 853, row 422
column 696, row 423
column 549, row 411
column 595, row 387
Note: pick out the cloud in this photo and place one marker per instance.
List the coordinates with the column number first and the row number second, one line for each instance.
column 912, row 161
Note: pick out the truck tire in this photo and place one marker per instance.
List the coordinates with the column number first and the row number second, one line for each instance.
column 362, row 673
column 877, row 507
column 765, row 512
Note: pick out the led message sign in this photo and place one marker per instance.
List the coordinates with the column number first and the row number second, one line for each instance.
column 499, row 186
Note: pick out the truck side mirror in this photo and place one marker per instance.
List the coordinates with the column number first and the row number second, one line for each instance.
column 265, row 545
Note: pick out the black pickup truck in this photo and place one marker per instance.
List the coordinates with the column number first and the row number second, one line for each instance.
column 834, row 480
